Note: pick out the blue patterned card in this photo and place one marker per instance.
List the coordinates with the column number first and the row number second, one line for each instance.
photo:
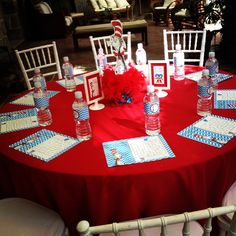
column 45, row 144
column 79, row 79
column 28, row 99
column 225, row 99
column 18, row 120
column 136, row 150
column 212, row 130
column 195, row 76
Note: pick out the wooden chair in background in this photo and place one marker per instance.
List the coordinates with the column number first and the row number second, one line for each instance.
column 162, row 9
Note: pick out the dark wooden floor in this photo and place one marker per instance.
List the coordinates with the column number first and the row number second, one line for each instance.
column 83, row 56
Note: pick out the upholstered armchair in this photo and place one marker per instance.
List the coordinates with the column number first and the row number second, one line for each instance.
column 45, row 23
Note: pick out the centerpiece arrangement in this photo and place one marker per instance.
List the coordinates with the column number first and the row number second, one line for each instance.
column 122, row 83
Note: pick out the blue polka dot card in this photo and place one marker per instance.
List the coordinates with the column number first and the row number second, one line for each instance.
column 136, row 150
column 225, row 99
column 18, row 120
column 79, row 79
column 195, row 76
column 213, row 130
column 28, row 99
column 45, row 144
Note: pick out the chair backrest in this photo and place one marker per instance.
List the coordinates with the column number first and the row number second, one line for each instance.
column 143, row 225
column 168, row 2
column 192, row 44
column 44, row 57
column 105, row 43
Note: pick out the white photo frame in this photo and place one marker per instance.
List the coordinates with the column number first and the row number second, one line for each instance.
column 93, row 90
column 159, row 76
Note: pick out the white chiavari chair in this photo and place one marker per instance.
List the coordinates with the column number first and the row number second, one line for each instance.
column 105, row 43
column 44, row 57
column 181, row 224
column 192, row 44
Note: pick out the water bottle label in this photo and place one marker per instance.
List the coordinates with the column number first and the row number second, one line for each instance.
column 43, row 84
column 41, row 102
column 213, row 69
column 102, row 61
column 204, row 91
column 81, row 114
column 151, row 108
column 68, row 70
column 179, row 60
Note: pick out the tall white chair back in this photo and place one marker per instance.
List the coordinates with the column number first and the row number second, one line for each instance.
column 192, row 44
column 44, row 57
column 105, row 43
column 181, row 224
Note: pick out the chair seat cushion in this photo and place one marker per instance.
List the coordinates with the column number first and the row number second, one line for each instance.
column 102, row 4
column 122, row 3
column 111, row 3
column 103, row 27
column 22, row 217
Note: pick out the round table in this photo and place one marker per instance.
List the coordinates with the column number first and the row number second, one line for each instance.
column 78, row 184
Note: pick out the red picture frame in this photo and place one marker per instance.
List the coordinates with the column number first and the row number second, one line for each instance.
column 93, row 87
column 158, row 71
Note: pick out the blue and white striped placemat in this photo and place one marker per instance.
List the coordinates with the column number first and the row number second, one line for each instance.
column 212, row 130
column 195, row 76
column 45, row 144
column 79, row 79
column 225, row 99
column 28, row 99
column 18, row 120
column 136, row 150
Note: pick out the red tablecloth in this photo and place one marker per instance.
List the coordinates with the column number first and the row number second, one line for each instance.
column 79, row 185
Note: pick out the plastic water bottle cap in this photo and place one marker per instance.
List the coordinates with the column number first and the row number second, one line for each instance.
column 36, row 70
column 65, row 59
column 178, row 46
column 211, row 54
column 140, row 45
column 205, row 72
column 150, row 89
column 37, row 84
column 78, row 94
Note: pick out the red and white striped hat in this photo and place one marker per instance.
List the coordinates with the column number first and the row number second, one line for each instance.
column 118, row 29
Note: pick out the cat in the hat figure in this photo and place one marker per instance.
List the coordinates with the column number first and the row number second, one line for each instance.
column 119, row 47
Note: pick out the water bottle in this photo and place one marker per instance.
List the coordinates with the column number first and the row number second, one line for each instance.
column 152, row 111
column 178, row 57
column 141, row 56
column 41, row 102
column 204, row 103
column 38, row 77
column 68, row 71
column 81, row 117
column 101, row 59
column 213, row 66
